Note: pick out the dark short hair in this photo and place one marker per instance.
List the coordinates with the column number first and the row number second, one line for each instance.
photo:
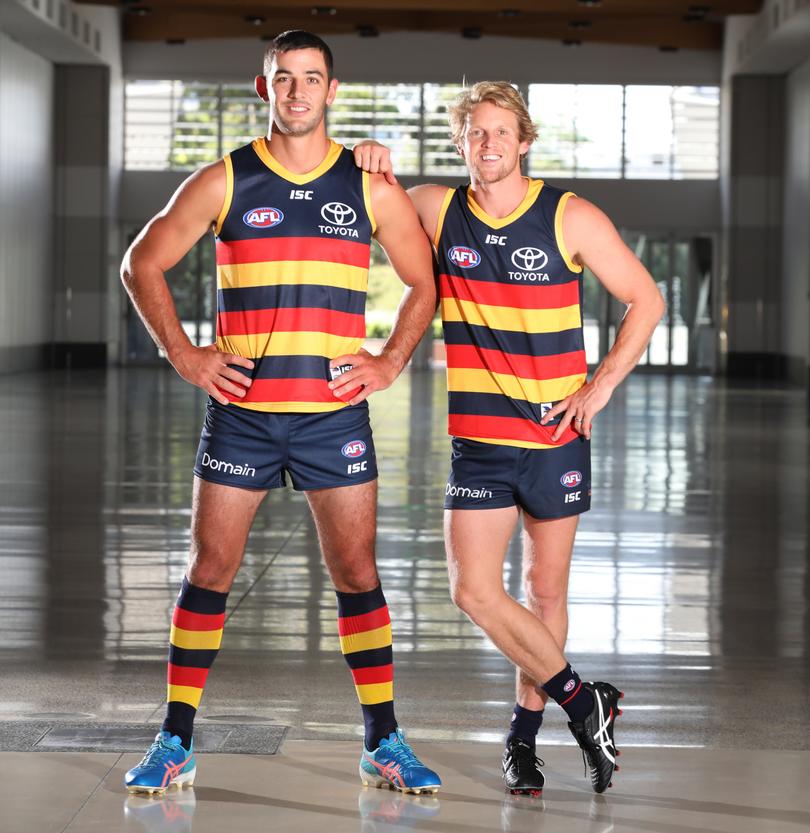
column 294, row 39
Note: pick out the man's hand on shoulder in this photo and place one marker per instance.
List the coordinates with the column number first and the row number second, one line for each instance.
column 375, row 158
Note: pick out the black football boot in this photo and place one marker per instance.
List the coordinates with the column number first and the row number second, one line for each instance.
column 595, row 734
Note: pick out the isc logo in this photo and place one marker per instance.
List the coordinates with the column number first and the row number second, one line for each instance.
column 301, row 195
column 262, row 217
column 353, row 448
column 464, row 257
column 573, row 497
column 356, row 468
column 571, row 479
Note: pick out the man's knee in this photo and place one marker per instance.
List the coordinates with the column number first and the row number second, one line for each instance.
column 544, row 596
column 472, row 598
column 212, row 567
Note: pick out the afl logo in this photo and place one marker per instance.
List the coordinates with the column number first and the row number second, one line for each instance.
column 353, row 448
column 338, row 214
column 262, row 217
column 464, row 257
column 529, row 259
column 571, row 479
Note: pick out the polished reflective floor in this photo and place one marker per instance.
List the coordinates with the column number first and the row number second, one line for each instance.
column 689, row 589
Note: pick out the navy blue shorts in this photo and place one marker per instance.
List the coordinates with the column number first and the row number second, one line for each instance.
column 545, row 482
column 254, row 449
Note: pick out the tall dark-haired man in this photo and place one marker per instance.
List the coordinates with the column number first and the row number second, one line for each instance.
column 510, row 253
column 293, row 220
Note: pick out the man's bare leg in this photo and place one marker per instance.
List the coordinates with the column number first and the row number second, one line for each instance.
column 346, row 519
column 221, row 517
column 476, row 542
column 547, row 549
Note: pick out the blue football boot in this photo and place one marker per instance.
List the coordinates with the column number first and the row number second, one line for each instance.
column 393, row 764
column 166, row 762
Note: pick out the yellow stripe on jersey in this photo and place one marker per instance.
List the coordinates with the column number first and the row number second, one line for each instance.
column 291, row 272
column 372, row 693
column 291, row 407
column 195, row 640
column 534, row 186
column 260, row 146
column 558, row 232
column 474, row 380
column 442, row 212
column 366, row 640
column 299, row 343
column 519, row 443
column 226, row 205
column 367, row 201
column 512, row 318
column 184, row 694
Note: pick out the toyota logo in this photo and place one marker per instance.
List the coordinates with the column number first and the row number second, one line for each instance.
column 528, row 258
column 339, row 214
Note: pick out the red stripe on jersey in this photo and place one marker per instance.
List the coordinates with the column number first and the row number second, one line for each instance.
column 518, row 296
column 184, row 675
column 291, row 320
column 377, row 674
column 286, row 390
column 514, row 364
column 364, row 622
column 506, row 428
column 265, row 249
column 189, row 621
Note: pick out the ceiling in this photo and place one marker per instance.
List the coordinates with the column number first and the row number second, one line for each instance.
column 668, row 24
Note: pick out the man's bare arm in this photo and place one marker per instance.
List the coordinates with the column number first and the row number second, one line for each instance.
column 165, row 239
column 400, row 234
column 594, row 242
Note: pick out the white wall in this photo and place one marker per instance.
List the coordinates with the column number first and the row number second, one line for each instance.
column 796, row 228
column 424, row 56
column 26, row 204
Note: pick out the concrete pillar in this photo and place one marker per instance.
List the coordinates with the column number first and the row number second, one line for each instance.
column 752, row 220
column 82, row 215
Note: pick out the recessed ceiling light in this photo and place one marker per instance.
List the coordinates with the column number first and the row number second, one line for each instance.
column 323, row 11
column 254, row 19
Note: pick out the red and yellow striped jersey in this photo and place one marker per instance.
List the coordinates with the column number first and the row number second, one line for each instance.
column 292, row 256
column 512, row 316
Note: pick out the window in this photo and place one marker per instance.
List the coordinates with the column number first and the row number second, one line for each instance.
column 580, row 130
column 586, row 130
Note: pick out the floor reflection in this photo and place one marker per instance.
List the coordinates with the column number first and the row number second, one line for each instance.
column 689, row 579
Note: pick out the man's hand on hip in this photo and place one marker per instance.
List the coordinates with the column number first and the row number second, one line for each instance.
column 207, row 368
column 369, row 373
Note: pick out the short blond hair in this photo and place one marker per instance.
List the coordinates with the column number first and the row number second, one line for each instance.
column 499, row 93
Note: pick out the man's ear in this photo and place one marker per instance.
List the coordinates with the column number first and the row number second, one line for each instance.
column 330, row 96
column 260, row 85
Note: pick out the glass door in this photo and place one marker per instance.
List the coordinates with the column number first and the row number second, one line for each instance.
column 682, row 267
column 194, row 289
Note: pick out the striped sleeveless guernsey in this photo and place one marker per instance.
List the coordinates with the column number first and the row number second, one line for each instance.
column 511, row 302
column 292, row 272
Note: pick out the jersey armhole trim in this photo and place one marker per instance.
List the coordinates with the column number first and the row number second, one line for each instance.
column 442, row 213
column 558, row 232
column 367, row 200
column 226, row 205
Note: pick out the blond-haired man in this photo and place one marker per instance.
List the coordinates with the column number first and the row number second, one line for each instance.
column 510, row 253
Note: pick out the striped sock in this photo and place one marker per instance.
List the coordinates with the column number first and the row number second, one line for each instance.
column 197, row 622
column 364, row 627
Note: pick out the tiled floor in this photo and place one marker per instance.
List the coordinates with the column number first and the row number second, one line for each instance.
column 690, row 589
